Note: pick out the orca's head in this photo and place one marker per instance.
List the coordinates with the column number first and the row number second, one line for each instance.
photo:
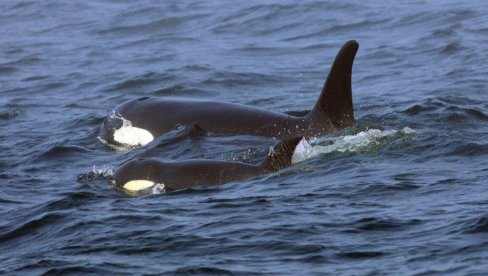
column 119, row 132
column 137, row 176
column 108, row 128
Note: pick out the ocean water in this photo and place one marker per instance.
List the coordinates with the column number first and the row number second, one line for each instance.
column 403, row 191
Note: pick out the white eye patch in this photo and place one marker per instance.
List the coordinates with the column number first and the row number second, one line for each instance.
column 133, row 136
column 138, row 185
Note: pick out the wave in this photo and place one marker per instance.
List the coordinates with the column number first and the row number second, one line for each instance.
column 348, row 143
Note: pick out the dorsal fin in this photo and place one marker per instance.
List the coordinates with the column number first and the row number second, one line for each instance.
column 280, row 157
column 335, row 100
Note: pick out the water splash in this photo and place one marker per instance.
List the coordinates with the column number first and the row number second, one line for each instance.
column 105, row 172
column 348, row 143
column 158, row 189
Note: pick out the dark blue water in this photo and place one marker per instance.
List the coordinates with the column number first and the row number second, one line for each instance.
column 403, row 204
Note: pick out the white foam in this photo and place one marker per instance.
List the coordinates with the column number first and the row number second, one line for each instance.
column 105, row 171
column 158, row 189
column 304, row 150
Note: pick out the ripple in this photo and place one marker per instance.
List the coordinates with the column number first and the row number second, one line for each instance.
column 231, row 79
column 167, row 23
column 383, row 224
column 383, row 188
column 470, row 149
column 71, row 201
column 141, row 81
column 446, row 32
column 361, row 254
column 7, row 69
column 202, row 270
column 350, row 27
column 9, row 115
column 444, row 110
column 180, row 90
column 64, row 151
column 75, row 269
column 29, row 60
column 452, row 48
column 477, row 225
column 32, row 226
column 424, row 108
column 36, row 78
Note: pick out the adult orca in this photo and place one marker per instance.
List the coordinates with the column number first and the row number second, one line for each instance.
column 140, row 175
column 137, row 122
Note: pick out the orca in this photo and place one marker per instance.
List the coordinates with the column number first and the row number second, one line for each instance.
column 142, row 175
column 138, row 122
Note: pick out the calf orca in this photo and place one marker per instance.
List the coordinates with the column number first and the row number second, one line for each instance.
column 141, row 175
column 137, row 122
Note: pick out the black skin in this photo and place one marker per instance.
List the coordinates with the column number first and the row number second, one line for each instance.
column 332, row 112
column 161, row 115
column 178, row 175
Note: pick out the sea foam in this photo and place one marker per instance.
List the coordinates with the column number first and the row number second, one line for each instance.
column 348, row 143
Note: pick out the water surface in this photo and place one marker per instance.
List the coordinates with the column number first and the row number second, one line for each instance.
column 402, row 203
